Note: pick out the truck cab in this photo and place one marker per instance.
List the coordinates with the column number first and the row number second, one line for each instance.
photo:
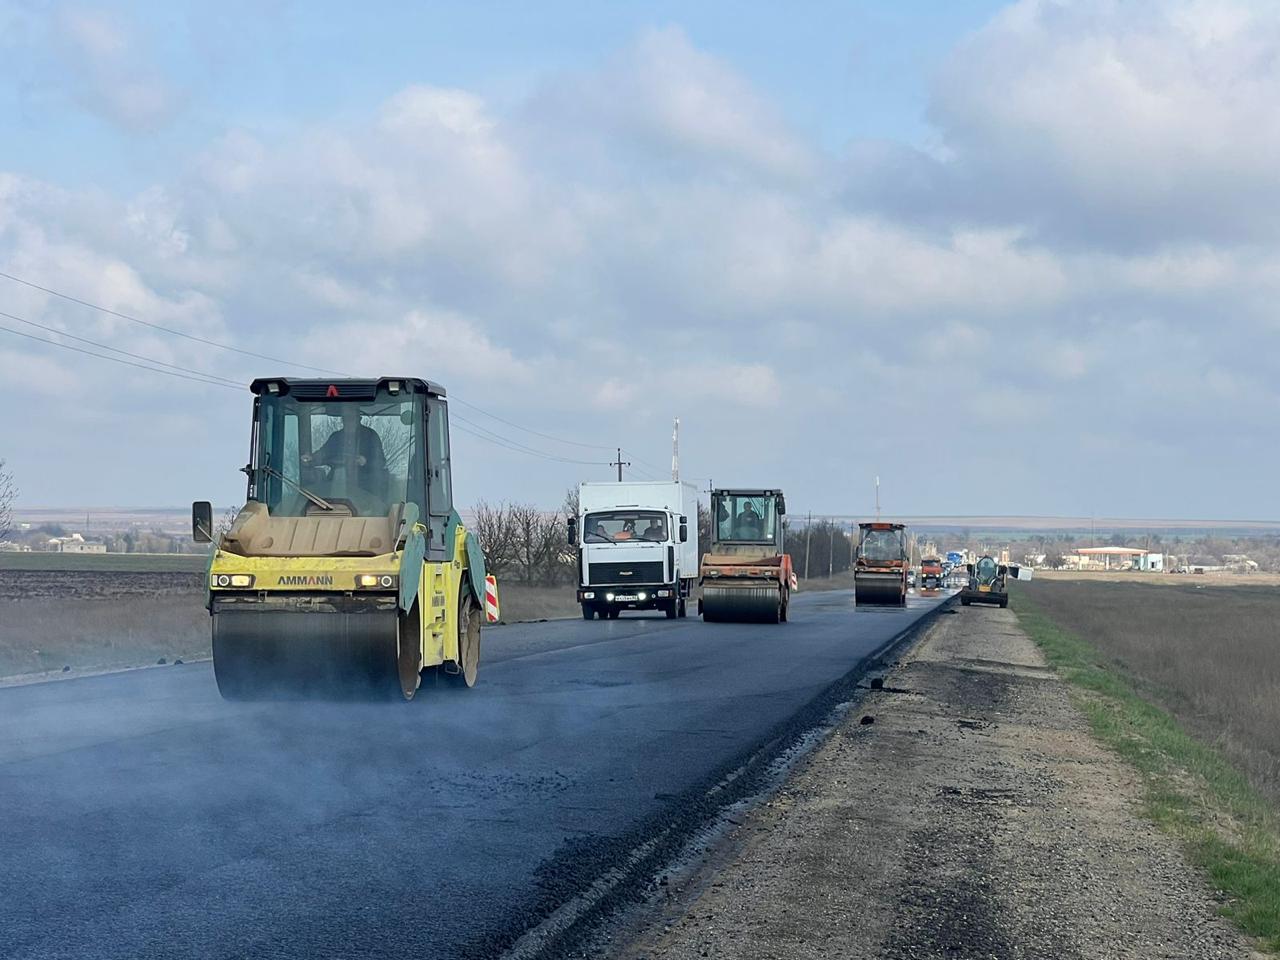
column 637, row 549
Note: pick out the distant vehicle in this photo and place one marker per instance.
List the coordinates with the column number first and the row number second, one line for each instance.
column 636, row 547
column 931, row 573
column 883, row 563
column 987, row 582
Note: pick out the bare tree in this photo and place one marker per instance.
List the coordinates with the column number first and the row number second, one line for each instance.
column 495, row 530
column 8, row 497
column 532, row 546
column 224, row 524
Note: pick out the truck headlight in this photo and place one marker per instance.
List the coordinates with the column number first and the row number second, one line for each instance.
column 608, row 596
column 589, row 595
column 642, row 596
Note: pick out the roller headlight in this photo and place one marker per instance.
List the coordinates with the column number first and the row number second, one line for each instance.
column 241, row 580
column 376, row 581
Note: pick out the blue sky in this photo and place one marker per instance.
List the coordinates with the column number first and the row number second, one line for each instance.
column 1028, row 246
column 838, row 70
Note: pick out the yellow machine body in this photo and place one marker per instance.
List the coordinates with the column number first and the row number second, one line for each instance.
column 439, row 590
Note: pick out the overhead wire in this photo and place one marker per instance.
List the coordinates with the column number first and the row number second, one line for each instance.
column 128, row 363
column 150, row 363
column 162, row 329
column 484, row 433
column 530, row 430
column 136, row 356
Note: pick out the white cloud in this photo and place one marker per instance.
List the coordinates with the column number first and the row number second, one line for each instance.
column 1123, row 123
column 112, row 75
column 648, row 238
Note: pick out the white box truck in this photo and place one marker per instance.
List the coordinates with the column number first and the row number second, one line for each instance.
column 637, row 546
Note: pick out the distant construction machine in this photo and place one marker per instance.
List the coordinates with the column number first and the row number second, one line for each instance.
column 746, row 576
column 348, row 571
column 987, row 582
column 880, row 571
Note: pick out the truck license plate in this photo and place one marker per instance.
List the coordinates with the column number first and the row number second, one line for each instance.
column 625, row 597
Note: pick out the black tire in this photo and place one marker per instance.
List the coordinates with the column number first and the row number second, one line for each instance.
column 672, row 609
column 588, row 612
column 964, row 601
column 470, row 619
column 683, row 610
column 409, row 651
column 1004, row 602
column 615, row 613
column 786, row 606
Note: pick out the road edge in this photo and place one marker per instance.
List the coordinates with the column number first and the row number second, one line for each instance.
column 578, row 913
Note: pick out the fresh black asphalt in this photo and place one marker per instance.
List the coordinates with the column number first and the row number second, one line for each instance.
column 141, row 816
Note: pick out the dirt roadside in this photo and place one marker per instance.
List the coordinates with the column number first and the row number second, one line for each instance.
column 975, row 817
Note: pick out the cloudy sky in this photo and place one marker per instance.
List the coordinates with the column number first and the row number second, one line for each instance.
column 1014, row 259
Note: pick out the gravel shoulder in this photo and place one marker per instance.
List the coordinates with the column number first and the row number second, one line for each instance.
column 974, row 817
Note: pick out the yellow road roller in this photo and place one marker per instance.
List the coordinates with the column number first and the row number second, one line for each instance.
column 347, row 572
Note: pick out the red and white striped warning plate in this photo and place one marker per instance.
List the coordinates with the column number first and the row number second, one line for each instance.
column 491, row 598
column 795, row 584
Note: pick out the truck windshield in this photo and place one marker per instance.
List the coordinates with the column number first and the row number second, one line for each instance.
column 365, row 457
column 881, row 545
column 619, row 526
column 751, row 519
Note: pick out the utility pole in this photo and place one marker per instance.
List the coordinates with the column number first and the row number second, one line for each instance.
column 808, row 533
column 619, row 463
column 831, row 549
column 877, row 498
column 675, row 451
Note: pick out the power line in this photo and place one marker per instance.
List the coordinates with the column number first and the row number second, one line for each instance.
column 196, row 376
column 156, row 326
column 128, row 363
column 544, row 436
column 224, row 381
column 484, row 433
column 126, row 353
column 641, row 460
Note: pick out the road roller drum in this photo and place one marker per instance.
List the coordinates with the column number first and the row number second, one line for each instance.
column 737, row 604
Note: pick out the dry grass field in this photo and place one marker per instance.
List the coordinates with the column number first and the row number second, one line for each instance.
column 106, row 562
column 1207, row 651
column 94, row 619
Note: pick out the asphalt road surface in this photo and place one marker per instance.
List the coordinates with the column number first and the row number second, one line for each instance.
column 141, row 816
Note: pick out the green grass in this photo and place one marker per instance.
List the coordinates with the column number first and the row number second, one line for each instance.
column 105, row 562
column 1191, row 791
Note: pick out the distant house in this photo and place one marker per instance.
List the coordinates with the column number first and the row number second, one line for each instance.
column 1107, row 557
column 8, row 546
column 75, row 544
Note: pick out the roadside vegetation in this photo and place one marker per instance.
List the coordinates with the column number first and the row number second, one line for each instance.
column 1175, row 681
column 105, row 562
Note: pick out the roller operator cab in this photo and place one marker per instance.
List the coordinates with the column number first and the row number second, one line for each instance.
column 347, row 572
column 747, row 576
column 637, row 549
